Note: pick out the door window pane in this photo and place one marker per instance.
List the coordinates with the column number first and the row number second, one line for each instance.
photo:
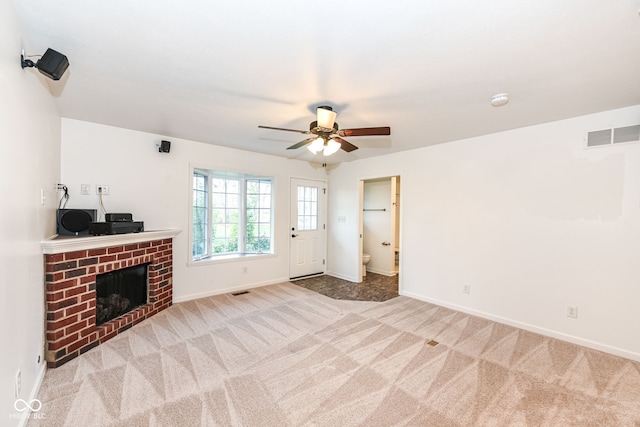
column 307, row 208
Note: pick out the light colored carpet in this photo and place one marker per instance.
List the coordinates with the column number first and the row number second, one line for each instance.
column 282, row 355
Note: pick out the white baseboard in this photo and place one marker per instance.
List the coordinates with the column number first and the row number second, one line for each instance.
column 382, row 272
column 531, row 328
column 236, row 288
column 343, row 277
column 42, row 413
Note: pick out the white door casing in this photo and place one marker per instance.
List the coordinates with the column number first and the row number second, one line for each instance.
column 307, row 226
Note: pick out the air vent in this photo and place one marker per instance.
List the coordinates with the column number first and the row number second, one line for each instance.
column 613, row 136
column 626, row 134
column 599, row 137
column 235, row 294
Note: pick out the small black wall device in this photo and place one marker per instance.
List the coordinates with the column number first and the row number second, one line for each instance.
column 165, row 146
column 53, row 64
column 74, row 222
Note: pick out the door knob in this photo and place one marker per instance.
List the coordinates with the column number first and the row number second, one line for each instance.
column 386, row 244
column 294, row 235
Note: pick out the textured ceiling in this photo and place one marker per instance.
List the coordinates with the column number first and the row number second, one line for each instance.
column 212, row 71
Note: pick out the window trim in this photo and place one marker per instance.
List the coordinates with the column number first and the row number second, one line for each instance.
column 230, row 257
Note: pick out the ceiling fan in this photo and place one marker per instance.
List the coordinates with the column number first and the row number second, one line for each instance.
column 326, row 135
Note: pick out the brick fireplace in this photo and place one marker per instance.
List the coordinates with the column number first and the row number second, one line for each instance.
column 71, row 267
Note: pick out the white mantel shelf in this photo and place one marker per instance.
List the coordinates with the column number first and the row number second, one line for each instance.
column 61, row 244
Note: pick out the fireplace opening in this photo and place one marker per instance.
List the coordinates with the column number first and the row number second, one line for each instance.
column 120, row 291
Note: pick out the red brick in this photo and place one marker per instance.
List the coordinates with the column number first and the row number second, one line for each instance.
column 76, row 327
column 76, row 346
column 97, row 252
column 75, row 273
column 64, row 265
column 57, row 345
column 75, row 255
column 89, row 329
column 107, row 258
column 54, row 287
column 51, row 258
column 87, row 261
column 88, row 279
column 90, row 312
column 54, row 296
column 108, row 336
column 131, row 247
column 76, row 309
column 75, row 291
column 57, row 305
column 54, row 326
column 115, row 249
column 54, row 277
column 53, row 336
column 124, row 255
column 89, row 296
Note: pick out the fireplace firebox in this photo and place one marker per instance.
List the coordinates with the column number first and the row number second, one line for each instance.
column 118, row 292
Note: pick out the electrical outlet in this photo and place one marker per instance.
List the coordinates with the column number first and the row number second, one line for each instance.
column 102, row 189
column 466, row 289
column 572, row 311
column 85, row 189
column 18, row 383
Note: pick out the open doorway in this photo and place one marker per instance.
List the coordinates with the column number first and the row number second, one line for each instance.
column 380, row 226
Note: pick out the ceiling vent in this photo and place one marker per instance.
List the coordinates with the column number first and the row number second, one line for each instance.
column 613, row 136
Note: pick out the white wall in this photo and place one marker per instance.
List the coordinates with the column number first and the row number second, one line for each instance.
column 529, row 218
column 30, row 161
column 155, row 188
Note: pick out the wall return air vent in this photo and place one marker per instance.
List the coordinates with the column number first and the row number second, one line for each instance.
column 613, row 136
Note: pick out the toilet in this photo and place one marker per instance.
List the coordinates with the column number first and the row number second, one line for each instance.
column 365, row 260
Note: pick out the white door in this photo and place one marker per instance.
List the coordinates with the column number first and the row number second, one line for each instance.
column 307, row 228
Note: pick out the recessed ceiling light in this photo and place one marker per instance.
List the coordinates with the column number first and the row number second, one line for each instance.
column 499, row 99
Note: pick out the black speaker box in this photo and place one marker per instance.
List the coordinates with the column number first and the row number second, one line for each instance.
column 165, row 146
column 53, row 64
column 74, row 222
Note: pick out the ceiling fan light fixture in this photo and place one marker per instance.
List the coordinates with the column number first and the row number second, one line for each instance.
column 326, row 117
column 331, row 147
column 316, row 145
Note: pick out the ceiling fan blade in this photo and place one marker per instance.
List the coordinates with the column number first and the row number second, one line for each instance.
column 365, row 131
column 302, row 143
column 345, row 145
column 288, row 130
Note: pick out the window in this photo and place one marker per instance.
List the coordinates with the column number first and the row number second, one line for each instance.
column 307, row 208
column 232, row 214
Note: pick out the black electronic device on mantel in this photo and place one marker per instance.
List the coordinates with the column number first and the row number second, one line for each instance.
column 116, row 227
column 74, row 222
column 118, row 217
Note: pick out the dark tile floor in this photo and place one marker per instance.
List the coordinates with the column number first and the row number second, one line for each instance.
column 375, row 287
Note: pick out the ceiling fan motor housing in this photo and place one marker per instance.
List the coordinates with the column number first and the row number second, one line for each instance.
column 315, row 129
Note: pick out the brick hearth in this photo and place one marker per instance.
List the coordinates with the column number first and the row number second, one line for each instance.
column 70, row 281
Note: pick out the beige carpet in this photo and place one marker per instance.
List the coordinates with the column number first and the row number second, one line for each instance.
column 282, row 355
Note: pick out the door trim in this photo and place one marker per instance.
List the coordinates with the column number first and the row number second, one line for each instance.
column 322, row 183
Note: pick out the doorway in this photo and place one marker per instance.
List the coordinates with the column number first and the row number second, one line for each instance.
column 307, row 226
column 380, row 225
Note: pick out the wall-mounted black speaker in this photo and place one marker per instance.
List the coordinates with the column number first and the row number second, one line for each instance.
column 165, row 146
column 53, row 64
column 74, row 222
